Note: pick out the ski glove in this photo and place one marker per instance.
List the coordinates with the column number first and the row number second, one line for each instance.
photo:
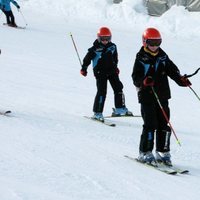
column 83, row 72
column 18, row 7
column 117, row 71
column 185, row 81
column 148, row 81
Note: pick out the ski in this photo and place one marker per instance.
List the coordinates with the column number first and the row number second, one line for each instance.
column 5, row 112
column 102, row 122
column 17, row 27
column 162, row 168
column 177, row 169
column 118, row 116
column 128, row 114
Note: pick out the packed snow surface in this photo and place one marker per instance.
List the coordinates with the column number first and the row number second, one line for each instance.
column 48, row 150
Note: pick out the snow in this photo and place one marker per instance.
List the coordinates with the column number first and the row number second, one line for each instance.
column 48, row 150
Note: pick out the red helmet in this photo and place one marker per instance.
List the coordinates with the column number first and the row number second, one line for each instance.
column 104, row 32
column 151, row 34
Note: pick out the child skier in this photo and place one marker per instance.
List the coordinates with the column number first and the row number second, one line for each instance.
column 104, row 55
column 6, row 9
column 151, row 69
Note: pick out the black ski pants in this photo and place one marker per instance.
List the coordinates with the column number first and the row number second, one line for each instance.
column 154, row 121
column 9, row 17
column 117, row 86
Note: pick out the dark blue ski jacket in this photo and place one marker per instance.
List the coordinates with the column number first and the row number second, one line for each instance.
column 104, row 58
column 5, row 4
column 159, row 67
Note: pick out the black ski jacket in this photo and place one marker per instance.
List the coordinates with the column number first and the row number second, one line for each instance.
column 159, row 67
column 103, row 57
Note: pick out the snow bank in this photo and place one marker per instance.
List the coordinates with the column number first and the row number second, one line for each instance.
column 177, row 21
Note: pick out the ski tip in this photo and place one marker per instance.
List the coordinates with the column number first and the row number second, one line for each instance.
column 172, row 173
column 7, row 112
column 184, row 172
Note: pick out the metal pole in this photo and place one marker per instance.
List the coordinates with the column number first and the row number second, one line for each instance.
column 75, row 48
column 194, row 92
column 190, row 75
column 23, row 17
column 165, row 115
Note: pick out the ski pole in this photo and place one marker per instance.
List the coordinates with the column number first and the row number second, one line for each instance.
column 190, row 75
column 23, row 17
column 194, row 92
column 75, row 49
column 165, row 115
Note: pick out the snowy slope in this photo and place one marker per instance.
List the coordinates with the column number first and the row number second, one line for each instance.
column 48, row 150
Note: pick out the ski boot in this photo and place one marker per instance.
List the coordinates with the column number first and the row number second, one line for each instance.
column 147, row 157
column 12, row 25
column 163, row 157
column 118, row 112
column 98, row 116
